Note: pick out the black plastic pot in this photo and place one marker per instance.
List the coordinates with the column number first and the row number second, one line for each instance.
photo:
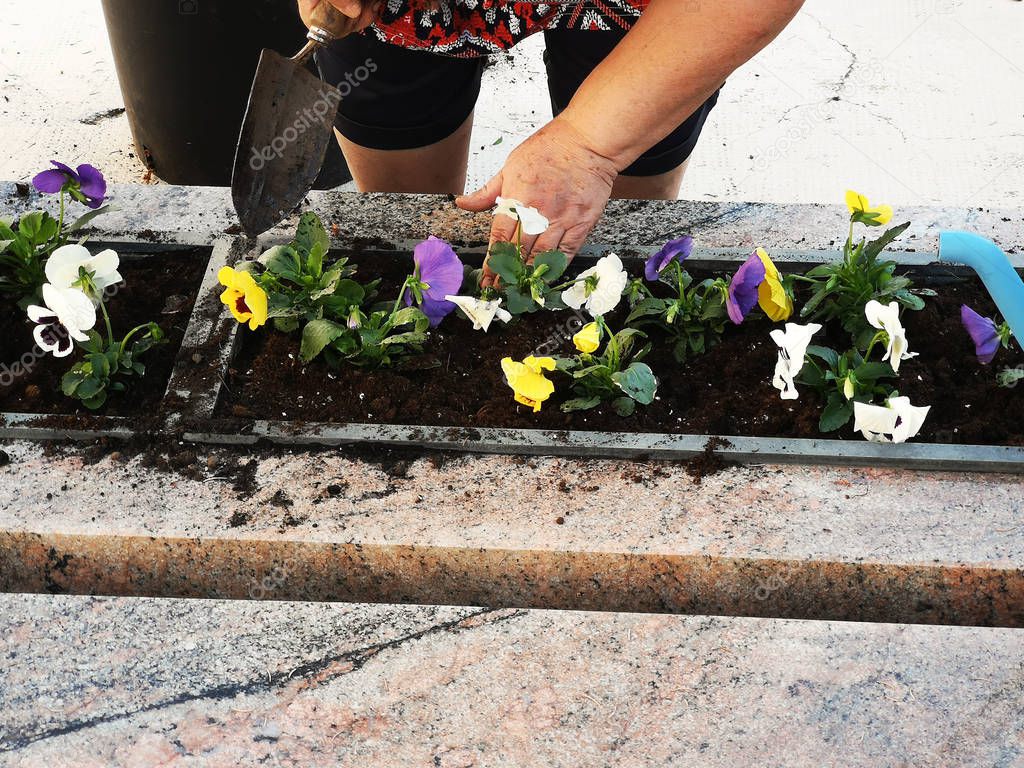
column 186, row 68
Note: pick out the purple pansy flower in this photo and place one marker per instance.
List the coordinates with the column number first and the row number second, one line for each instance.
column 984, row 333
column 87, row 181
column 439, row 269
column 743, row 288
column 674, row 250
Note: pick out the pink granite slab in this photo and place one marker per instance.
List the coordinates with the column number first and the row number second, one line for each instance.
column 767, row 541
column 95, row 682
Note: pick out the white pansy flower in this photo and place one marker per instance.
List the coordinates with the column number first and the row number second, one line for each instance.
column 62, row 268
column 793, row 343
column 481, row 312
column 532, row 220
column 887, row 318
column 895, row 422
column 599, row 288
column 68, row 314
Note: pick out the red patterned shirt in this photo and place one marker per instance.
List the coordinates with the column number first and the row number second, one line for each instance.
column 468, row 28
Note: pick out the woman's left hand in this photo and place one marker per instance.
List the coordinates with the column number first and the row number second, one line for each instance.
column 555, row 172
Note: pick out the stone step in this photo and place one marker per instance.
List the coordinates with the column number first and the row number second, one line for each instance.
column 772, row 541
column 125, row 682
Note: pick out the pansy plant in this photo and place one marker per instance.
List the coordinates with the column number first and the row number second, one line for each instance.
column 71, row 298
column 614, row 375
column 843, row 380
column 380, row 335
column 988, row 337
column 527, row 287
column 298, row 282
column 25, row 246
column 840, row 290
column 296, row 287
column 694, row 315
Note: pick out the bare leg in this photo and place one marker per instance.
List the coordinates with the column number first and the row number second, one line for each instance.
column 437, row 168
column 665, row 186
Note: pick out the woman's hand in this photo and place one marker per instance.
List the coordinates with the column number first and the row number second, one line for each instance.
column 555, row 172
column 365, row 11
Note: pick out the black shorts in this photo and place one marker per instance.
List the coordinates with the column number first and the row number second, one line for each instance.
column 396, row 98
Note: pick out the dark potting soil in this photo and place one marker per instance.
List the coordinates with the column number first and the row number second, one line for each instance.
column 727, row 391
column 160, row 288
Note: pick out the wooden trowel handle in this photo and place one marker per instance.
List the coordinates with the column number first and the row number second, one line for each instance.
column 327, row 23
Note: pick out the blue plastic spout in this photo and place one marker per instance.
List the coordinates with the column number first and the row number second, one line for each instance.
column 995, row 271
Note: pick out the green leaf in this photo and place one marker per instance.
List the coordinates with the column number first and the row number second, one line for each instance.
column 624, row 406
column 283, row 261
column 638, row 382
column 315, row 261
column 647, row 308
column 517, row 302
column 411, row 337
column 97, row 401
column 100, row 364
column 580, row 404
column 327, row 284
column 409, row 315
column 836, row 414
column 286, row 324
column 82, row 221
column 94, row 342
column 316, row 335
column 555, row 261
column 822, row 270
column 350, row 291
column 505, row 262
column 909, row 300
column 811, row 305
column 37, row 227
column 830, row 356
column 90, row 388
column 71, row 380
column 311, row 238
column 875, row 247
column 553, row 301
column 813, row 377
column 869, row 372
column 1010, row 377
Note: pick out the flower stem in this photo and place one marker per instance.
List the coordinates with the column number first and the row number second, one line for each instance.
column 124, row 341
column 880, row 336
column 60, row 221
column 401, row 294
column 106, row 320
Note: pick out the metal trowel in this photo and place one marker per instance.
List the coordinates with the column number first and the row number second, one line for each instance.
column 287, row 128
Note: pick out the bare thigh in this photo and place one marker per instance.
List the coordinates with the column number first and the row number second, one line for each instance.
column 437, row 168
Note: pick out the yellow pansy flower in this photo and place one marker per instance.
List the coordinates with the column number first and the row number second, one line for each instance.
column 771, row 294
column 588, row 339
column 246, row 300
column 861, row 210
column 527, row 379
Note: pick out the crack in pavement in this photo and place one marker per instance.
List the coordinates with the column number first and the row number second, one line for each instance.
column 357, row 657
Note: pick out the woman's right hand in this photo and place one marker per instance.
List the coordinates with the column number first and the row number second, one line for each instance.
column 364, row 11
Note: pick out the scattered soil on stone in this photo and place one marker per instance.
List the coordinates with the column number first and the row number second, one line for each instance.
column 162, row 289
column 709, row 462
column 724, row 392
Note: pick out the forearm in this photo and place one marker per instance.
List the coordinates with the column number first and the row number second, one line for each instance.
column 674, row 58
